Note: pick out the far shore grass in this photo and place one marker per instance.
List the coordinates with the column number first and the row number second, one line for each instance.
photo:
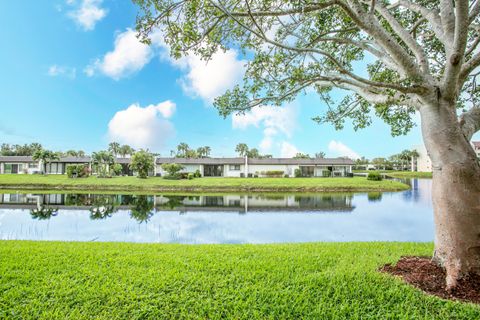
column 157, row 184
column 68, row 280
column 399, row 174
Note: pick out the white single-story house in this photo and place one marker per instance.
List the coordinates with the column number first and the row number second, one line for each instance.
column 208, row 167
column 265, row 167
column 26, row 164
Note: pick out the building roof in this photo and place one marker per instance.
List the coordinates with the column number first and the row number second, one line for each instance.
column 68, row 159
column 476, row 144
column 201, row 160
column 291, row 161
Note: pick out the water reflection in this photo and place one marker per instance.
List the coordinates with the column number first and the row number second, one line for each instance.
column 231, row 218
column 103, row 206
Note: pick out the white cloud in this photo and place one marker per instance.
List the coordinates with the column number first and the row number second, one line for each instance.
column 288, row 150
column 203, row 79
column 87, row 13
column 210, row 79
column 342, row 150
column 275, row 121
column 58, row 71
column 143, row 127
column 128, row 56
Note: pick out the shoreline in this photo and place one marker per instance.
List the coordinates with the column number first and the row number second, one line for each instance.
column 199, row 185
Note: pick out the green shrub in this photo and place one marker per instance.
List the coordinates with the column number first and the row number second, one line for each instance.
column 173, row 170
column 298, row 173
column 142, row 162
column 274, row 173
column 374, row 176
column 190, row 176
column 77, row 171
column 117, row 169
column 326, row 173
column 286, row 176
column 197, row 174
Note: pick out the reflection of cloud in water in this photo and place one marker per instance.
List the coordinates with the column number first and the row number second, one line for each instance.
column 403, row 216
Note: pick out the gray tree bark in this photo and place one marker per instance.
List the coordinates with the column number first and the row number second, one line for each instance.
column 455, row 191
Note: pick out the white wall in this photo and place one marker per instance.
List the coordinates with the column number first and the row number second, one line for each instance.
column 233, row 173
column 424, row 164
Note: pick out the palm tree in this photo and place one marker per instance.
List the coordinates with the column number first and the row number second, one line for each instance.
column 45, row 157
column 182, row 149
column 242, row 149
column 126, row 150
column 114, row 147
column 103, row 160
column 207, row 151
column 204, row 152
column 320, row 155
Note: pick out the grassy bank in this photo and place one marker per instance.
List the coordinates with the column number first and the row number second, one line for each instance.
column 52, row 280
column 400, row 174
column 62, row 182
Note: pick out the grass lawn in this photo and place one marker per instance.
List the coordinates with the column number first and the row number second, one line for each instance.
column 62, row 182
column 400, row 174
column 55, row 280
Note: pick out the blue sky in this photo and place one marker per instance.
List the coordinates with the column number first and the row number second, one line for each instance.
column 73, row 76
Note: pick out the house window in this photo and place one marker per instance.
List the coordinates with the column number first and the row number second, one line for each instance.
column 32, row 165
column 8, row 168
column 235, row 167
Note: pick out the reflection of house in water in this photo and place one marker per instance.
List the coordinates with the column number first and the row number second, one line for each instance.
column 234, row 203
column 251, row 203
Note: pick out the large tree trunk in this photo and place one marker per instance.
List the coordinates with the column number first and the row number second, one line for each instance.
column 456, row 192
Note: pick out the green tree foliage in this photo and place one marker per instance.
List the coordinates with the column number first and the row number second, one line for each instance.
column 20, row 150
column 300, row 155
column 173, row 170
column 242, row 149
column 74, row 153
column 115, row 148
column 142, row 162
column 45, row 157
column 320, row 155
column 103, row 162
column 125, row 150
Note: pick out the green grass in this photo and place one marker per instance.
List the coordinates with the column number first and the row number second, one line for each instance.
column 400, row 174
column 54, row 280
column 62, row 182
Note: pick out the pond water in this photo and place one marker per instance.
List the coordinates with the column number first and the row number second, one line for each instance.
column 231, row 218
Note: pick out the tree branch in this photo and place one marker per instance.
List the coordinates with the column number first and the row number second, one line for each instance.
column 470, row 122
column 406, row 38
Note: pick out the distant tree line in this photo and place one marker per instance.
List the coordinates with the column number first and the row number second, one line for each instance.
column 400, row 161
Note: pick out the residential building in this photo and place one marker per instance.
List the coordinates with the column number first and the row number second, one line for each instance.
column 26, row 164
column 251, row 167
column 208, row 167
column 423, row 162
column 476, row 147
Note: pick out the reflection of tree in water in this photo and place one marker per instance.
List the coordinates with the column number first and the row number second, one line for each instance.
column 374, row 196
column 142, row 209
column 78, row 200
column 174, row 201
column 43, row 212
column 327, row 201
column 103, row 206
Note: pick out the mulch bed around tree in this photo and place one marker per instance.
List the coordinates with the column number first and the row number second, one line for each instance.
column 427, row 276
